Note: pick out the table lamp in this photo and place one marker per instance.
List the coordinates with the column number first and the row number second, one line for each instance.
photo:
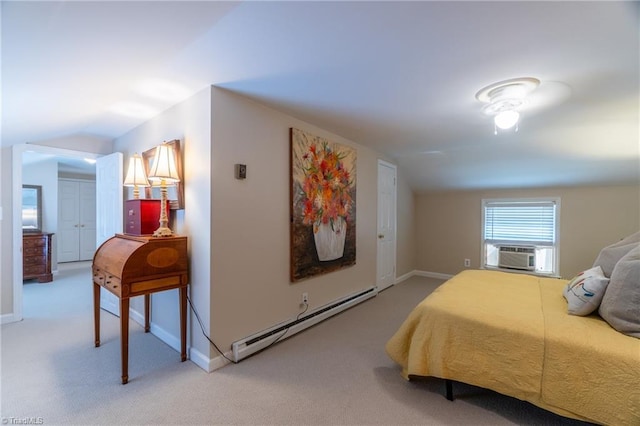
column 164, row 170
column 136, row 175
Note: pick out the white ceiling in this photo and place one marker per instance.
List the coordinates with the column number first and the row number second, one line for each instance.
column 399, row 77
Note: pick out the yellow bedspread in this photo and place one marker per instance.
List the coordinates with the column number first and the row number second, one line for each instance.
column 511, row 333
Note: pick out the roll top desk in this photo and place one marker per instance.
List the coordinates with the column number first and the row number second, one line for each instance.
column 130, row 266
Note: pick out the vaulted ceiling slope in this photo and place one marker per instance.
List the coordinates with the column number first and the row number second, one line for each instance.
column 399, row 77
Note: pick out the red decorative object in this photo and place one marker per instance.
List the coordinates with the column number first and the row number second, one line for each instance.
column 141, row 216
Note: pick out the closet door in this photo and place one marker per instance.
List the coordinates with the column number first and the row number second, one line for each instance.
column 76, row 220
column 68, row 221
column 87, row 216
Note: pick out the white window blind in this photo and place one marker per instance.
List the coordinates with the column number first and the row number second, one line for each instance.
column 530, row 222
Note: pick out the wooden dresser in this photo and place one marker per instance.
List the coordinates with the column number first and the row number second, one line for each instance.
column 130, row 266
column 36, row 257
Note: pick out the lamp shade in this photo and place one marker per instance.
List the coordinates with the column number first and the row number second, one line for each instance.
column 136, row 175
column 164, row 165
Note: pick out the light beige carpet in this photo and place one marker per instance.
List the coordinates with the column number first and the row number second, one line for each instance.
column 335, row 373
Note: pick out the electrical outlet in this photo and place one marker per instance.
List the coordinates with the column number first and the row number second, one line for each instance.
column 467, row 262
column 305, row 298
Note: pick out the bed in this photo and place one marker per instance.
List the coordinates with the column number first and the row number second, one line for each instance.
column 511, row 333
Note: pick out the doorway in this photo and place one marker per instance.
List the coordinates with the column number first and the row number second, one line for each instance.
column 19, row 153
column 386, row 248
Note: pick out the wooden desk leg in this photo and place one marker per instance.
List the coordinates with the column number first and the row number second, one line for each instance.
column 96, row 313
column 124, row 338
column 146, row 313
column 183, row 323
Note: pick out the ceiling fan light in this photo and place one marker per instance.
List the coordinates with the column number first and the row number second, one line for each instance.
column 506, row 119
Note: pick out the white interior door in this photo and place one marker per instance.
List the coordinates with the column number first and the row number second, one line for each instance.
column 68, row 221
column 87, row 215
column 386, row 261
column 76, row 220
column 109, row 207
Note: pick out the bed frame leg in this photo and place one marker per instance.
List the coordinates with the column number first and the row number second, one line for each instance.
column 449, row 389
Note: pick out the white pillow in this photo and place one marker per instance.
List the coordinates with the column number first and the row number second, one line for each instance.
column 610, row 255
column 595, row 271
column 585, row 291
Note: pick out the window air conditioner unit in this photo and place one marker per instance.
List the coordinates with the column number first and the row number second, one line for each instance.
column 517, row 257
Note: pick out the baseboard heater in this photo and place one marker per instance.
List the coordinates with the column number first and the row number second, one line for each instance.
column 256, row 342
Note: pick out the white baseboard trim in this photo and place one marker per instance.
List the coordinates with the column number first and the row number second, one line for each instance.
column 199, row 359
column 157, row 331
column 220, row 361
column 136, row 316
column 417, row 273
column 433, row 275
column 166, row 337
column 8, row 318
column 405, row 277
column 194, row 355
column 202, row 360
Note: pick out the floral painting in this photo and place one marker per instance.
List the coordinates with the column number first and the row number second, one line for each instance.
column 323, row 205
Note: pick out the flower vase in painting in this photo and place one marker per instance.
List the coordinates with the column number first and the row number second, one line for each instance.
column 329, row 239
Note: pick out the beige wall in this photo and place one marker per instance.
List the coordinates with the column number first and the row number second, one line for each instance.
column 250, row 285
column 190, row 122
column 239, row 229
column 448, row 225
column 406, row 250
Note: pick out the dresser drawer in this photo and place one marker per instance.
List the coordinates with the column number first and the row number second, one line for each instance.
column 35, row 251
column 34, row 260
column 36, row 257
column 34, row 270
column 114, row 285
column 32, row 242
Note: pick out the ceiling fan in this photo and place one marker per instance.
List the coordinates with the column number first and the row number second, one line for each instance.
column 505, row 99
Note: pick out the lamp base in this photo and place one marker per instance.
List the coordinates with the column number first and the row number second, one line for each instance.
column 163, row 232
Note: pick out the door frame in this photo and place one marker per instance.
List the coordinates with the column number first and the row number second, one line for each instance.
column 395, row 221
column 16, row 196
column 109, row 221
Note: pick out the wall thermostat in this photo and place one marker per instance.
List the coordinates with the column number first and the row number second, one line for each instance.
column 241, row 171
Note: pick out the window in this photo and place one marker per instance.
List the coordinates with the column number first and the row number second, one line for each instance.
column 521, row 234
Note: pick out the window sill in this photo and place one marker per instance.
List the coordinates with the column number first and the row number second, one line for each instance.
column 521, row 271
